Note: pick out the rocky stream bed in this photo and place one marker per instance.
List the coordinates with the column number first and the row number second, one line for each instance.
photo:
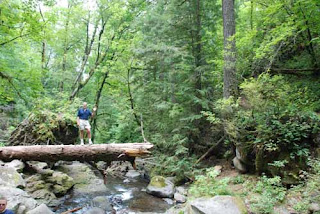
column 95, row 188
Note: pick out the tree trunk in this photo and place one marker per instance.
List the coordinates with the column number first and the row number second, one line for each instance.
column 229, row 29
column 103, row 152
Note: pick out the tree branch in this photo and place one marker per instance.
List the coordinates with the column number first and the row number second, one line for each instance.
column 11, row 40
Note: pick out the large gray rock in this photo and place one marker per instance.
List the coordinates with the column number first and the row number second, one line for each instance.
column 96, row 210
column 9, row 177
column 102, row 202
column 161, row 187
column 18, row 200
column 239, row 165
column 40, row 189
column 61, row 183
column 42, row 209
column 16, row 164
column 85, row 181
column 216, row 205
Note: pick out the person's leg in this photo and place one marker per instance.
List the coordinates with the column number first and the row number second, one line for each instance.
column 81, row 137
column 89, row 135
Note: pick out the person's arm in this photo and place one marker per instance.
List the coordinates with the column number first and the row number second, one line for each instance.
column 94, row 112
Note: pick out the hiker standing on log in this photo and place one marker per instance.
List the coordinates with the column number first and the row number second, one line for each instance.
column 83, row 121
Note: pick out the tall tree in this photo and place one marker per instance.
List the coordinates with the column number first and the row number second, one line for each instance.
column 229, row 69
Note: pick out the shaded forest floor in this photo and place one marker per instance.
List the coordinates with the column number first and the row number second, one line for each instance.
column 262, row 194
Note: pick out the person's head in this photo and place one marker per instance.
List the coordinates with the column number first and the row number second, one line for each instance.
column 84, row 105
column 3, row 204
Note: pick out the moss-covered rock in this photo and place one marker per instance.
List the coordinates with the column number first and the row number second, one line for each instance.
column 11, row 178
column 161, row 187
column 158, row 181
column 85, row 181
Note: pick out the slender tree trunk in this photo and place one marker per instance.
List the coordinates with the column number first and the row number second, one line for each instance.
column 43, row 55
column 230, row 87
column 251, row 14
column 97, row 100
column 131, row 97
column 87, row 52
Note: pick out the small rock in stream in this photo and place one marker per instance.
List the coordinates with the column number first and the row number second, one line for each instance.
column 132, row 174
column 126, row 181
column 179, row 198
column 42, row 209
column 102, row 202
column 168, row 200
column 161, row 187
column 96, row 210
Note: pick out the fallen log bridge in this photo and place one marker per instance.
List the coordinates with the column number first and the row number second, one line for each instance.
column 96, row 152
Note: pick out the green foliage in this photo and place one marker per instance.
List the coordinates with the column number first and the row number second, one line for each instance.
column 48, row 115
column 308, row 191
column 179, row 167
column 269, row 122
column 209, row 185
column 269, row 192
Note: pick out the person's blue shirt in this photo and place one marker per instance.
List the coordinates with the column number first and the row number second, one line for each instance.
column 8, row 212
column 84, row 114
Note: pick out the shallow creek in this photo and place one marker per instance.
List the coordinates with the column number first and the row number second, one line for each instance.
column 126, row 196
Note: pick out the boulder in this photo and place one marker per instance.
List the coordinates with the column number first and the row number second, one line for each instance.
column 216, row 205
column 119, row 168
column 314, row 207
column 85, row 181
column 9, row 177
column 239, row 165
column 61, row 183
column 102, row 202
column 101, row 165
column 16, row 164
column 42, row 209
column 133, row 174
column 38, row 165
column 40, row 189
column 179, row 198
column 44, row 196
column 95, row 210
column 182, row 190
column 161, row 187
column 18, row 200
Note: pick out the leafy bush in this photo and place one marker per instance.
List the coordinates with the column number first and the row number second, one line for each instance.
column 269, row 126
column 209, row 185
column 308, row 192
column 51, row 120
column 269, row 192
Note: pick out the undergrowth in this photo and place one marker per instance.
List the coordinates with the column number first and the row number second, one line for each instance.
column 209, row 185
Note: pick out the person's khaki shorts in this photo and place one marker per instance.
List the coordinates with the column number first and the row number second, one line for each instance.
column 84, row 124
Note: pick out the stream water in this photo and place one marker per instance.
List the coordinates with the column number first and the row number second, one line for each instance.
column 126, row 196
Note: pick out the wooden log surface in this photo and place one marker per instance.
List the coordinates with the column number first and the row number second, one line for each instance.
column 96, row 152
